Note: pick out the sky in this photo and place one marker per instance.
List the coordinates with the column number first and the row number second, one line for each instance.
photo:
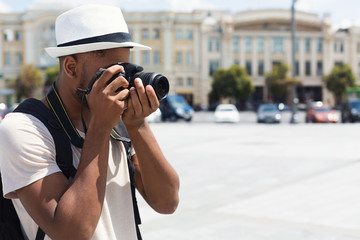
column 344, row 13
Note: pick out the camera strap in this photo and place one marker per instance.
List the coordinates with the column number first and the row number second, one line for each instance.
column 57, row 107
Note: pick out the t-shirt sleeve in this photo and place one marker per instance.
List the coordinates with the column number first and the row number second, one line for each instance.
column 27, row 152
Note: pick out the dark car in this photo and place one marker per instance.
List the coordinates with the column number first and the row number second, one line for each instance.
column 268, row 113
column 350, row 111
column 175, row 107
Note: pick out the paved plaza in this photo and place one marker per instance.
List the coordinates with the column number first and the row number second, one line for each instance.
column 251, row 181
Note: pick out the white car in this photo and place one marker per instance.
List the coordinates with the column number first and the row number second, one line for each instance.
column 227, row 113
column 155, row 116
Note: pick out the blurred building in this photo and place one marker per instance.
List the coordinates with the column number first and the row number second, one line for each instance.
column 189, row 47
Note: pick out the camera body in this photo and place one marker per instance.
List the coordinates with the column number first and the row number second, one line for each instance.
column 158, row 81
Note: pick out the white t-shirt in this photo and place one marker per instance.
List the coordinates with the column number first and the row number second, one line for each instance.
column 27, row 154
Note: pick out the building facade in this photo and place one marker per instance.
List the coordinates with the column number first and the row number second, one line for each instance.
column 189, row 47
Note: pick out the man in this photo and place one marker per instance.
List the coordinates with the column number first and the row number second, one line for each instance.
column 97, row 203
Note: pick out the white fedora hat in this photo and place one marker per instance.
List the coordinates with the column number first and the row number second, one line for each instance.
column 89, row 28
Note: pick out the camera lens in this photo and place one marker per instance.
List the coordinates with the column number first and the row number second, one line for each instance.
column 158, row 81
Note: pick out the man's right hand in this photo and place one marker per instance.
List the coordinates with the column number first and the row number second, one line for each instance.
column 105, row 104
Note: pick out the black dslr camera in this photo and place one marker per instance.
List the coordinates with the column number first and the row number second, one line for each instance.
column 131, row 71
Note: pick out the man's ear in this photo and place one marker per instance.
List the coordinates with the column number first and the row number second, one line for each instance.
column 70, row 66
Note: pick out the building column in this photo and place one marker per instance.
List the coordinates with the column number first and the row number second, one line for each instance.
column 1, row 49
column 242, row 51
column 136, row 36
column 227, row 53
column 301, row 57
column 288, row 52
column 254, row 57
column 313, row 57
column 29, row 44
column 197, row 49
column 168, row 43
column 267, row 54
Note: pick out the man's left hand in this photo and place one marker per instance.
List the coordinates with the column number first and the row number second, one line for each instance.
column 142, row 102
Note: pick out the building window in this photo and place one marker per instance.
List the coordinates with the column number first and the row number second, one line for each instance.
column 47, row 33
column 307, row 45
column 189, row 34
column 248, row 68
column 52, row 31
column 260, row 41
column 235, row 42
column 145, row 58
column 319, row 68
column 18, row 59
column 319, row 45
column 189, row 82
column 189, row 58
column 341, row 46
column 307, row 68
column 156, row 33
column 261, row 68
column 179, row 57
column 214, row 44
column 236, row 62
column 297, row 44
column 278, row 44
column 217, row 45
column 339, row 63
column 18, row 35
column 8, row 60
column 297, row 68
column 358, row 47
column 178, row 34
column 247, row 44
column 156, row 57
column 214, row 65
column 145, row 34
column 9, row 35
column 276, row 64
column 179, row 82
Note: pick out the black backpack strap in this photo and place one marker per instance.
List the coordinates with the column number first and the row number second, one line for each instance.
column 9, row 221
column 120, row 133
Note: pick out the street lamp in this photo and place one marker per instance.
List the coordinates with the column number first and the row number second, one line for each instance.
column 293, row 87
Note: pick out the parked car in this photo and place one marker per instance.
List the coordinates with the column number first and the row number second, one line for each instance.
column 318, row 114
column 155, row 116
column 226, row 113
column 4, row 109
column 268, row 113
column 175, row 107
column 350, row 111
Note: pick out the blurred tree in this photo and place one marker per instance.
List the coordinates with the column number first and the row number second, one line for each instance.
column 340, row 77
column 51, row 75
column 29, row 79
column 233, row 83
column 278, row 84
